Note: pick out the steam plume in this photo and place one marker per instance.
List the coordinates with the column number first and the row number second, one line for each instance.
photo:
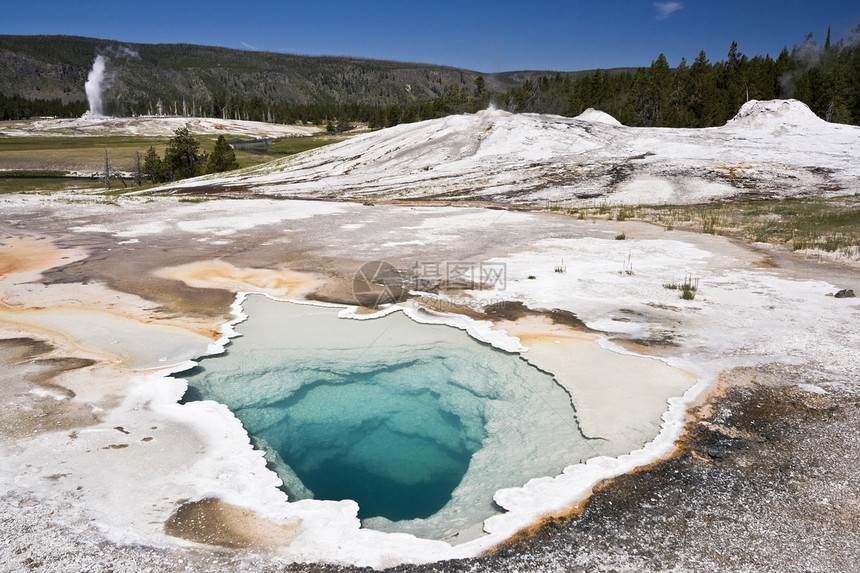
column 807, row 56
column 94, row 85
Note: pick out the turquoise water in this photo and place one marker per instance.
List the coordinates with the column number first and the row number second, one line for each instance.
column 419, row 424
column 392, row 448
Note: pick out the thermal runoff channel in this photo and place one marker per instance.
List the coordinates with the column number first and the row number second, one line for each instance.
column 419, row 424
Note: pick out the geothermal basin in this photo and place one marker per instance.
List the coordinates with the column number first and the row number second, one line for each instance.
column 128, row 455
column 420, row 424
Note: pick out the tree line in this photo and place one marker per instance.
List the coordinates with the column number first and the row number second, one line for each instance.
column 456, row 99
column 704, row 94
column 698, row 94
column 182, row 158
column 17, row 107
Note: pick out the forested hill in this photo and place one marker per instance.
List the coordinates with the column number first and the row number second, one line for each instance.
column 706, row 93
column 45, row 75
column 220, row 82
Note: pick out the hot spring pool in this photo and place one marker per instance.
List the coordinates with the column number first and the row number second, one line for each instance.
column 420, row 424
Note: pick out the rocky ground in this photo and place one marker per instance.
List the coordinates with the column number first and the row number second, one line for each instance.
column 765, row 480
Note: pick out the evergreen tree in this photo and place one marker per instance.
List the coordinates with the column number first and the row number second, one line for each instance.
column 480, row 84
column 222, row 158
column 705, row 94
column 182, row 157
column 659, row 91
column 153, row 167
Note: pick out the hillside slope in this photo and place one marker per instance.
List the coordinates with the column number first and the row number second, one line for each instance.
column 207, row 78
column 770, row 149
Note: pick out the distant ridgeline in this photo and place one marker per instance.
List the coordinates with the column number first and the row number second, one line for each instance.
column 182, row 79
column 45, row 76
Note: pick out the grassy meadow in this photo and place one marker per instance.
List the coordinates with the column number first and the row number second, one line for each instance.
column 56, row 163
column 827, row 224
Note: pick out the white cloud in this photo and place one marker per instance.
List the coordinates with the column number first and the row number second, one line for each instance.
column 665, row 9
column 248, row 46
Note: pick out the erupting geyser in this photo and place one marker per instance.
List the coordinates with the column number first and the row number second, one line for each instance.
column 94, row 85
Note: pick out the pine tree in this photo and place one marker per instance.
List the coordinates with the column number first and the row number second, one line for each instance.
column 659, row 91
column 480, row 85
column 153, row 167
column 182, row 157
column 222, row 158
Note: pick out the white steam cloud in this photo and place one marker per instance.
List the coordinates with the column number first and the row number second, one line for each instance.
column 807, row 56
column 95, row 85
column 665, row 9
column 99, row 79
column 854, row 37
column 122, row 51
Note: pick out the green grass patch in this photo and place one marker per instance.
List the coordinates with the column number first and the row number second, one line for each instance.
column 55, row 142
column 31, row 173
column 39, row 164
column 47, row 184
column 82, row 154
column 829, row 224
column 87, row 153
column 198, row 199
column 293, row 145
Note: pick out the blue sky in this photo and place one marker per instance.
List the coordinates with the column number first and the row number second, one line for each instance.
column 486, row 36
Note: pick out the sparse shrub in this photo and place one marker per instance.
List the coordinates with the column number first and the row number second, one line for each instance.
column 760, row 234
column 628, row 265
column 689, row 287
column 688, row 292
column 620, row 237
column 625, row 213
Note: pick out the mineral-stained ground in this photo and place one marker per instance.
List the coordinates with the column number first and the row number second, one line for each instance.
column 765, row 480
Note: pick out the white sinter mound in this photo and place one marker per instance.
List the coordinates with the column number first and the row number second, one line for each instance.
column 598, row 116
column 152, row 126
column 771, row 149
column 777, row 114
